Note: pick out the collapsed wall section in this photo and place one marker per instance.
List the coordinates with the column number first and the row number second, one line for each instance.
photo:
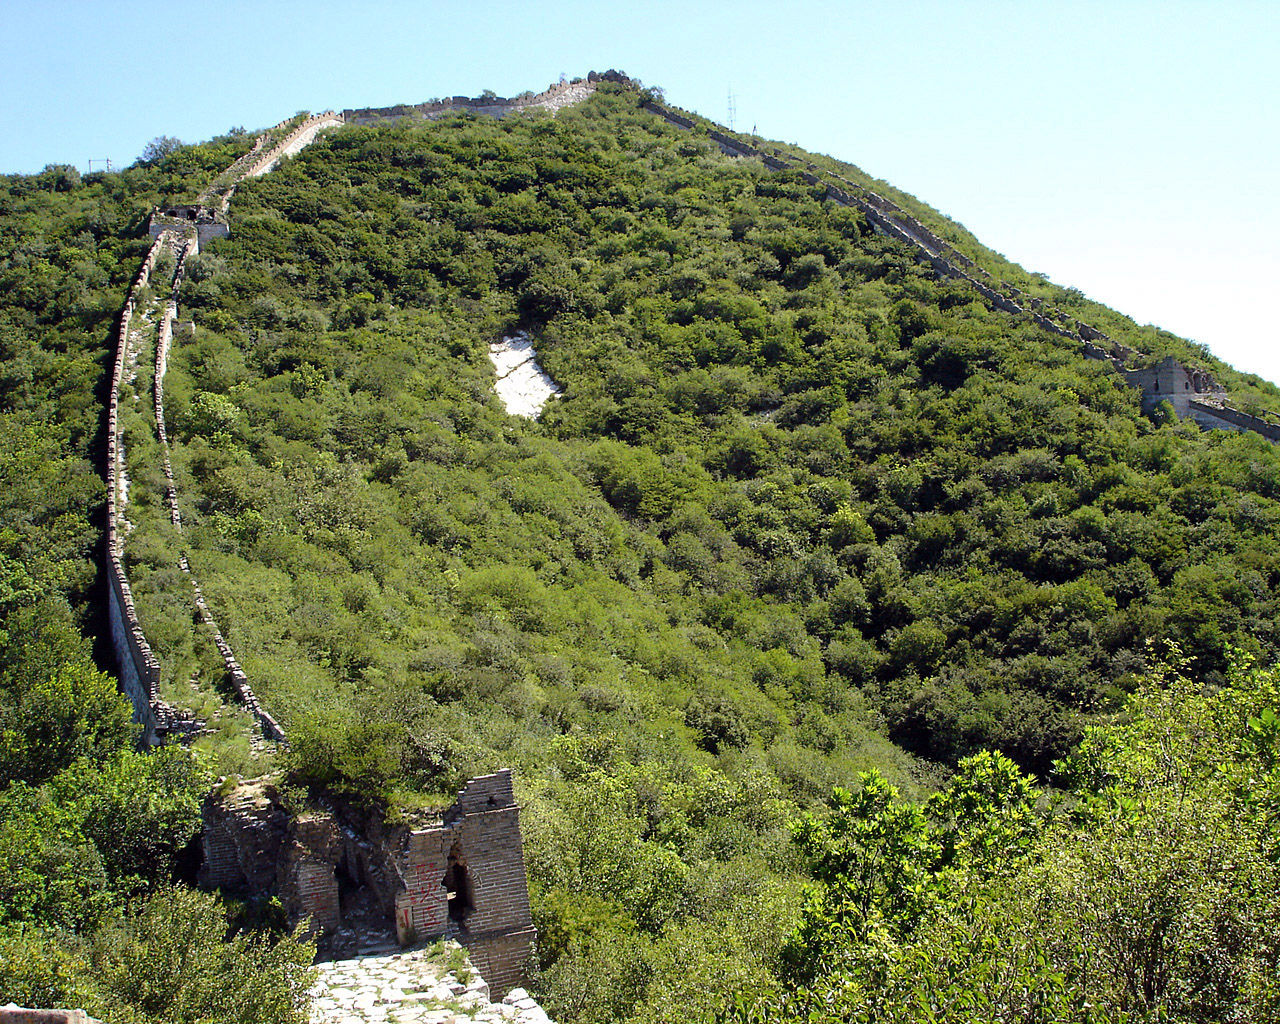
column 466, row 878
column 461, row 876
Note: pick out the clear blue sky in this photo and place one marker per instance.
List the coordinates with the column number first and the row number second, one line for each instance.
column 1126, row 148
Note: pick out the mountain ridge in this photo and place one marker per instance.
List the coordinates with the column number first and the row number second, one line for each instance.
column 808, row 523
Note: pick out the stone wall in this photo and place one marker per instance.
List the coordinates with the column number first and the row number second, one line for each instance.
column 294, row 142
column 271, row 146
column 1182, row 386
column 553, row 98
column 218, row 193
column 244, row 831
column 462, row 876
column 138, row 669
column 183, row 228
column 308, row 881
column 891, row 220
column 1221, row 417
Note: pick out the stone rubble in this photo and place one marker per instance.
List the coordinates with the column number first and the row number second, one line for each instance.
column 432, row 985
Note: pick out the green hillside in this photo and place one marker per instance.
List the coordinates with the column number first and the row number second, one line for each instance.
column 803, row 512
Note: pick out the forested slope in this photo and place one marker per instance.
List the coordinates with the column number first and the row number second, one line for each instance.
column 802, row 511
column 779, row 433
column 89, row 825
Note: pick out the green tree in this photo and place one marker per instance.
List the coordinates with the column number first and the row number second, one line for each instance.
column 872, row 857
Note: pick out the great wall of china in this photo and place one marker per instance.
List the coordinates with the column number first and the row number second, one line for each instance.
column 553, row 98
column 462, row 875
column 183, row 229
column 1194, row 395
column 179, row 231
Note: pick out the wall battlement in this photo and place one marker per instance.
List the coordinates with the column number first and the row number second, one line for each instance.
column 139, row 670
column 553, row 98
column 181, row 229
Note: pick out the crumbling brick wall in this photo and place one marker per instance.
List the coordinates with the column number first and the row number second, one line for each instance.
column 245, row 829
column 478, row 845
column 19, row 1015
column 462, row 876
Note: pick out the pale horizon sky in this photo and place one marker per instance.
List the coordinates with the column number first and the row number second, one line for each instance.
column 1126, row 148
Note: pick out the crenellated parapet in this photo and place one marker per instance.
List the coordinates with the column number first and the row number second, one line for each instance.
column 181, row 229
column 297, row 139
column 269, row 148
column 138, row 667
column 555, row 97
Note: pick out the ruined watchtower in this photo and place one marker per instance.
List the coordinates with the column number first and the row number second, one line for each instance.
column 206, row 222
column 354, row 880
column 1179, row 385
column 465, row 878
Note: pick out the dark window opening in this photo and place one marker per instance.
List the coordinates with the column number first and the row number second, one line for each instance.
column 457, row 883
column 348, row 875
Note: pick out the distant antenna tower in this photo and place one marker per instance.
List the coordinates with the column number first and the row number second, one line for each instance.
column 733, row 111
column 106, row 160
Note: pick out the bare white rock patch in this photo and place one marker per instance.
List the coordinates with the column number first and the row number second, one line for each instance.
column 522, row 384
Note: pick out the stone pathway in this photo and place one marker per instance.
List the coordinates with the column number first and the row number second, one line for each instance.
column 433, row 985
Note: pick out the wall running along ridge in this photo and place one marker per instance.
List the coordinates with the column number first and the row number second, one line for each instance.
column 553, row 98
column 889, row 219
column 139, row 669
column 264, row 156
column 182, row 230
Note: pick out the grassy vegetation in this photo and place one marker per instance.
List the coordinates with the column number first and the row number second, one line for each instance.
column 802, row 512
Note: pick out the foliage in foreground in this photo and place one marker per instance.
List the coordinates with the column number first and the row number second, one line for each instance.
column 170, row 960
column 1148, row 894
column 92, row 837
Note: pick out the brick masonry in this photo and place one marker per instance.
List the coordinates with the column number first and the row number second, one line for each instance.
column 18, row 1015
column 481, row 833
column 181, row 228
column 251, row 845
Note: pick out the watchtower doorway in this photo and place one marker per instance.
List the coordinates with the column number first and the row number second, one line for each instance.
column 457, row 884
